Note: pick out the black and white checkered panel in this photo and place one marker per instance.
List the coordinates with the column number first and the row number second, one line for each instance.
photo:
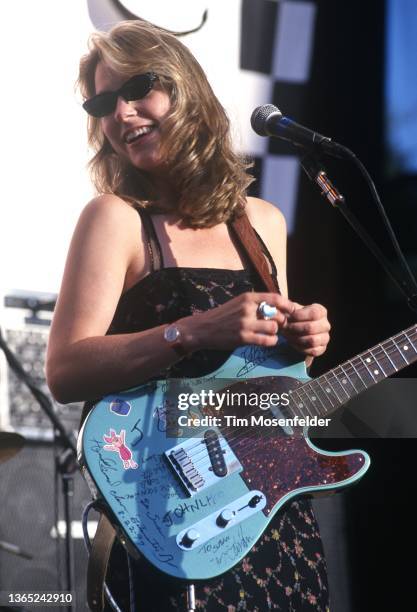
column 277, row 40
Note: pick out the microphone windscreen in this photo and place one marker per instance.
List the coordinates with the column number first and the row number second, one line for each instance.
column 260, row 116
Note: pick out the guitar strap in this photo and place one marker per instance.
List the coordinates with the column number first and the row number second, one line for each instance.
column 105, row 535
column 249, row 241
column 98, row 560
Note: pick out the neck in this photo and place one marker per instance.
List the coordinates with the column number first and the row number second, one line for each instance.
column 165, row 195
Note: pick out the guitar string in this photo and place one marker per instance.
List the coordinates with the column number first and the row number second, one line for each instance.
column 244, row 435
column 364, row 370
column 372, row 351
column 352, row 373
column 302, row 389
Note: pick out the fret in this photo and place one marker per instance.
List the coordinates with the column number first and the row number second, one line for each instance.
column 405, row 347
column 366, row 369
column 318, row 403
column 341, row 383
column 411, row 342
column 299, row 403
column 314, row 395
column 374, row 367
column 324, row 398
column 344, row 380
column 379, row 368
column 290, row 407
column 398, row 356
column 357, row 373
column 311, row 399
column 329, row 385
column 388, row 356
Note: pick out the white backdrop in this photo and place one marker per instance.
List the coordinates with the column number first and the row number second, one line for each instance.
column 44, row 153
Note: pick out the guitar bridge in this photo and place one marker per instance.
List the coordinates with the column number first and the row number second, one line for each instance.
column 185, row 468
column 202, row 462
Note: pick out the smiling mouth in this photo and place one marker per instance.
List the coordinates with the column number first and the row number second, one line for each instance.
column 135, row 135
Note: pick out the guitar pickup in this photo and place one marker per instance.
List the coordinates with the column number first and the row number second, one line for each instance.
column 215, row 453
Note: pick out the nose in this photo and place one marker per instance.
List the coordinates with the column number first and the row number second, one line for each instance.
column 123, row 109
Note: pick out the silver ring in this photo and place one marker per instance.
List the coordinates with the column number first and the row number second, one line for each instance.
column 266, row 311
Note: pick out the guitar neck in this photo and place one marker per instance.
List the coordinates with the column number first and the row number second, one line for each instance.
column 328, row 392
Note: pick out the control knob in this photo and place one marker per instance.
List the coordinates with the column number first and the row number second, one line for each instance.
column 190, row 537
column 225, row 517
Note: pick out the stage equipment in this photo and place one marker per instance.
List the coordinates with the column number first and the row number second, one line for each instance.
column 27, row 520
column 64, row 447
column 10, row 444
column 24, row 323
column 267, row 120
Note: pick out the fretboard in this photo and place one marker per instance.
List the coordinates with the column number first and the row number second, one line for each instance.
column 325, row 394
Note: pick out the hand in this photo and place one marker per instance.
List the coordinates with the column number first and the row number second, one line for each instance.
column 307, row 329
column 236, row 323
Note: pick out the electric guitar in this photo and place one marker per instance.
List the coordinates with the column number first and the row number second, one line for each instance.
column 194, row 499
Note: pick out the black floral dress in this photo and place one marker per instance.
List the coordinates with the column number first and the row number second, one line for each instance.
column 286, row 570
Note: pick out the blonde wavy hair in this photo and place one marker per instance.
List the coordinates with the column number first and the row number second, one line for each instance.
column 209, row 178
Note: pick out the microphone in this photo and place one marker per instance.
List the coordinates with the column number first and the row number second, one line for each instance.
column 267, row 120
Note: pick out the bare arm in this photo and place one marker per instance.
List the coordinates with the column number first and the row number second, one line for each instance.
column 83, row 363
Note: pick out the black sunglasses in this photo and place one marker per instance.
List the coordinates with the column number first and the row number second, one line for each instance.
column 135, row 88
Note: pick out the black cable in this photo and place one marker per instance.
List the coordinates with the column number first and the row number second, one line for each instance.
column 131, row 584
column 412, row 284
column 56, row 520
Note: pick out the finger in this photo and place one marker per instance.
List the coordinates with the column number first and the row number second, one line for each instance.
column 307, row 328
column 260, row 339
column 313, row 312
column 314, row 351
column 306, row 342
column 277, row 300
column 279, row 318
column 270, row 327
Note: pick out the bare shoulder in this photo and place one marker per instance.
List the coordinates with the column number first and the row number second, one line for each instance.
column 104, row 244
column 110, row 208
column 262, row 214
column 109, row 220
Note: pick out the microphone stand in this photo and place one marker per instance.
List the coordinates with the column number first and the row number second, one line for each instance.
column 318, row 175
column 65, row 462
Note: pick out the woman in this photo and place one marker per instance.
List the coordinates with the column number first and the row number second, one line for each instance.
column 155, row 281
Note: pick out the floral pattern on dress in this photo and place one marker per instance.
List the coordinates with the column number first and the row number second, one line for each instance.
column 286, row 569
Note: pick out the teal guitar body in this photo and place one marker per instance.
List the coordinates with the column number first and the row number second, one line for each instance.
column 195, row 506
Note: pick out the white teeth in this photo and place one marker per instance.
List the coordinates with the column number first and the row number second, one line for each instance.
column 139, row 132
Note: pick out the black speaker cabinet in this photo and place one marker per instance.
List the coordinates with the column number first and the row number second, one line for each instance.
column 27, row 521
